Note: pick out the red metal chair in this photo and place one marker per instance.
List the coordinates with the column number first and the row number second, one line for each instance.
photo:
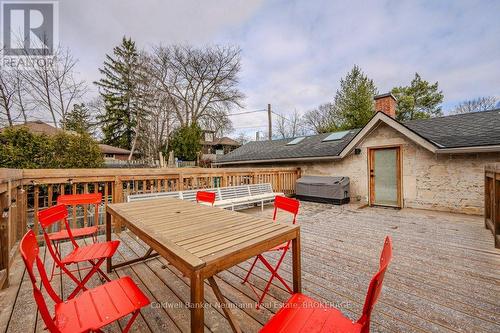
column 95, row 254
column 75, row 200
column 79, row 200
column 291, row 206
column 90, row 311
column 203, row 196
column 304, row 314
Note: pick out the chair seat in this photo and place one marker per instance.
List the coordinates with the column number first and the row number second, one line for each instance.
column 304, row 314
column 98, row 307
column 90, row 252
column 77, row 232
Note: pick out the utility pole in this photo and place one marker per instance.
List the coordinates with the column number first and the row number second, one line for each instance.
column 269, row 121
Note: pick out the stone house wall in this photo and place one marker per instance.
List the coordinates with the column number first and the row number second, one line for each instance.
column 447, row 182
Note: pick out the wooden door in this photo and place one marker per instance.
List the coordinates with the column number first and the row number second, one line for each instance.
column 385, row 176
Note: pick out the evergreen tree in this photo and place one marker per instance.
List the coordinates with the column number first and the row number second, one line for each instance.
column 185, row 142
column 419, row 100
column 354, row 100
column 120, row 88
column 78, row 119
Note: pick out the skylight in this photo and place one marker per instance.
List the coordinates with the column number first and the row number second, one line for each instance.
column 336, row 136
column 295, row 141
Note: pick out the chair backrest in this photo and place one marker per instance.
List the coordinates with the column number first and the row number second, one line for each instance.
column 80, row 199
column 48, row 217
column 242, row 191
column 149, row 196
column 234, row 192
column 287, row 204
column 263, row 188
column 188, row 195
column 29, row 252
column 375, row 286
column 203, row 196
column 51, row 215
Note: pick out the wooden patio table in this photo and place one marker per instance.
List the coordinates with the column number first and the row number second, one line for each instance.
column 201, row 241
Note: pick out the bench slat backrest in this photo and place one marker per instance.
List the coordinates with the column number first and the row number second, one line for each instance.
column 222, row 193
column 148, row 196
column 256, row 189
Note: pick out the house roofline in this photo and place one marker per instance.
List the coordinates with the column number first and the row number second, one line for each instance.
column 297, row 159
column 472, row 149
column 396, row 125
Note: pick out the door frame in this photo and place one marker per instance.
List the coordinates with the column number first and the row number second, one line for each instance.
column 371, row 180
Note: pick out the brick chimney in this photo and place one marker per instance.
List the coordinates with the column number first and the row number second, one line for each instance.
column 386, row 103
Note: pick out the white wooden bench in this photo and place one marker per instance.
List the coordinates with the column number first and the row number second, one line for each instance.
column 234, row 197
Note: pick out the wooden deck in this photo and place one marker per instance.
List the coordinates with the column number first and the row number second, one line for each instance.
column 445, row 276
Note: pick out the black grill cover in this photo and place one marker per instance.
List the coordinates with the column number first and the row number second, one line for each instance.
column 336, row 188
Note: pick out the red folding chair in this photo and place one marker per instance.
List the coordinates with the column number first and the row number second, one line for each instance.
column 304, row 314
column 95, row 254
column 203, row 196
column 75, row 200
column 90, row 311
column 291, row 206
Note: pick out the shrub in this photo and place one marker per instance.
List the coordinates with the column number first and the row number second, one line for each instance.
column 22, row 149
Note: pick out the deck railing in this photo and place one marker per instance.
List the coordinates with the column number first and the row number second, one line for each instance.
column 24, row 192
column 492, row 200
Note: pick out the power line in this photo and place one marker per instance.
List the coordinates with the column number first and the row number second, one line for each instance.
column 246, row 112
column 242, row 127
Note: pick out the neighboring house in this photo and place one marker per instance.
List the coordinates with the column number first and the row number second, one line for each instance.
column 39, row 127
column 114, row 153
column 213, row 147
column 433, row 163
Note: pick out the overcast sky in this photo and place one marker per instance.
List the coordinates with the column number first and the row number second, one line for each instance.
column 295, row 52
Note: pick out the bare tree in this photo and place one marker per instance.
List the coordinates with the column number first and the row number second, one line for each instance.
column 160, row 117
column 289, row 127
column 7, row 96
column 22, row 100
column 198, row 81
column 52, row 85
column 217, row 121
column 243, row 138
column 475, row 105
column 157, row 129
column 323, row 119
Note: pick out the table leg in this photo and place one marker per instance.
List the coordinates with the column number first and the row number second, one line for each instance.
column 297, row 283
column 108, row 238
column 197, row 303
column 222, row 301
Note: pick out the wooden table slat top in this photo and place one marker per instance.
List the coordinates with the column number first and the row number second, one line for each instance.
column 196, row 233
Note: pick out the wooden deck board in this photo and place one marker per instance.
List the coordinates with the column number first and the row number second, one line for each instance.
column 445, row 276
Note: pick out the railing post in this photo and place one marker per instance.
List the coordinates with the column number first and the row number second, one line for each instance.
column 117, row 198
column 495, row 215
column 4, row 241
column 278, row 183
column 22, row 207
column 224, row 180
column 180, row 185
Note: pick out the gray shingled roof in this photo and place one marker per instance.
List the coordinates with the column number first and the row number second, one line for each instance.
column 464, row 130
column 311, row 146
